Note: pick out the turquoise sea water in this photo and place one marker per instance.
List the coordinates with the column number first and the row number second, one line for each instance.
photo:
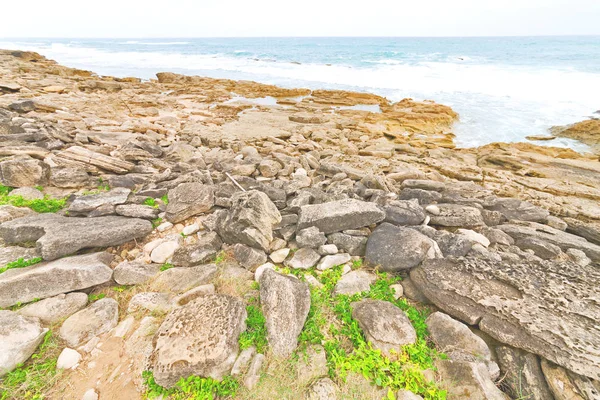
column 503, row 88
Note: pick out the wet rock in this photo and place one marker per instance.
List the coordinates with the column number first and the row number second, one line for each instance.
column 84, row 205
column 98, row 318
column 404, row 213
column 249, row 257
column 303, row 259
column 522, row 304
column 179, row 280
column 468, row 380
column 40, row 281
column 199, row 338
column 385, row 326
column 57, row 308
column 23, row 171
column 396, row 248
column 354, row 282
column 204, row 250
column 189, row 199
column 19, row 338
column 250, row 220
column 340, row 215
column 311, row 238
column 285, row 302
column 58, row 236
column 134, row 272
column 524, row 376
column 455, row 215
column 513, row 208
column 328, row 262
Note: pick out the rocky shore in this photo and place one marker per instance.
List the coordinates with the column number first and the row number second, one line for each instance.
column 198, row 238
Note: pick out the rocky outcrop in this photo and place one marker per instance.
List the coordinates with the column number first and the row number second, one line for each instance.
column 545, row 308
column 199, row 338
column 19, row 338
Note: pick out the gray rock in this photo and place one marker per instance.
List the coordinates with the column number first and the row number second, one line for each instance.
column 396, row 248
column 137, row 211
column 587, row 230
column 412, row 292
column 312, row 364
column 523, row 304
column 13, row 253
column 28, row 193
column 69, row 177
column 455, row 215
column 328, row 262
column 199, row 338
column 250, row 220
column 242, row 362
column 310, row 237
column 179, row 280
column 424, row 184
column 385, row 326
column 279, row 256
column 422, row 196
column 149, row 301
column 23, row 107
column 8, row 213
column 327, row 250
column 353, row 245
column 98, row 318
column 404, row 213
column 134, row 272
column 303, row 259
column 407, row 395
column 19, row 338
column 193, row 294
column 322, row 389
column 513, row 208
column 189, row 199
column 354, row 282
column 40, row 281
column 541, row 248
column 23, row 171
column 164, row 251
column 269, row 168
column 57, row 308
column 59, row 236
column 249, row 257
column 83, row 205
column 496, row 236
column 523, row 374
column 566, row 385
column 340, row 215
column 285, row 302
column 253, row 375
column 451, row 244
column 205, row 248
column 579, row 257
column 468, row 379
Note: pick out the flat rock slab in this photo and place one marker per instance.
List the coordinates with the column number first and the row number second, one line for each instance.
column 100, row 317
column 189, row 199
column 85, row 204
column 179, row 280
column 58, row 236
column 19, row 337
column 546, row 308
column 396, row 248
column 337, row 216
column 108, row 163
column 57, row 308
column 40, row 281
column 199, row 338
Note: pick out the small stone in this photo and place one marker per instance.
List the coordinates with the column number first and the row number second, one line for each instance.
column 124, row 327
column 474, row 236
column 163, row 252
column 398, row 290
column 312, row 364
column 68, row 359
column 579, row 257
column 303, row 259
column 190, row 229
column 253, row 375
column 193, row 294
column 249, row 257
column 100, row 317
column 354, row 282
column 323, row 389
column 310, row 237
column 279, row 256
column 329, row 262
column 327, row 249
column 259, row 271
column 407, row 395
column 90, row 394
column 164, row 226
column 433, row 209
column 243, row 361
column 153, row 302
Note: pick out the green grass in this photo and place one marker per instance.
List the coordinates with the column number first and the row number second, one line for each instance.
column 165, row 199
column 192, row 388
column 151, row 202
column 33, row 379
column 21, row 263
column 156, row 222
column 166, row 266
column 45, row 205
column 256, row 330
column 92, row 297
column 220, row 257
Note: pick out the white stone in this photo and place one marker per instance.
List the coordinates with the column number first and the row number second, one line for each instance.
column 90, row 394
column 164, row 252
column 433, row 209
column 190, row 229
column 259, row 271
column 164, row 226
column 398, row 290
column 279, row 256
column 328, row 262
column 328, row 249
column 68, row 359
column 474, row 236
column 124, row 327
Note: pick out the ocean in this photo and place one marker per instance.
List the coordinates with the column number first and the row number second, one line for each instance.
column 504, row 88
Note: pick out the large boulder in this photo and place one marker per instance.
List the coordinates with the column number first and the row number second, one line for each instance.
column 23, row 171
column 19, row 337
column 40, row 281
column 58, row 236
column 395, row 248
column 96, row 319
column 189, row 199
column 538, row 306
column 403, row 212
column 285, row 302
column 57, row 308
column 523, row 373
column 199, row 338
column 385, row 326
column 337, row 216
column 250, row 220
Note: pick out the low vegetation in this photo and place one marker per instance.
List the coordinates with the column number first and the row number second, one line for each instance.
column 20, row 263
column 192, row 388
column 256, row 330
column 45, row 205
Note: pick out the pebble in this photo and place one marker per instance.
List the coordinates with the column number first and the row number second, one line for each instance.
column 68, row 359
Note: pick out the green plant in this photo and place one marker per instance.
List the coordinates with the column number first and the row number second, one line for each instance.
column 165, row 199
column 356, row 264
column 95, row 296
column 192, row 388
column 20, row 263
column 256, row 330
column 44, row 205
column 166, row 266
column 120, row 289
column 151, row 202
column 156, row 222
column 220, row 257
column 103, row 186
column 40, row 188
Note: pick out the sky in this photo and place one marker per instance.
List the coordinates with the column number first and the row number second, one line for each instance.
column 226, row 18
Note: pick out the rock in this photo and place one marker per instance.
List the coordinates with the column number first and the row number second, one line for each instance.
column 452, row 245
column 588, row 231
column 28, row 193
column 179, row 280
column 468, row 380
column 496, row 236
column 522, row 304
column 90, row 394
column 40, row 281
column 524, row 376
column 58, row 236
column 327, row 250
column 354, row 282
column 521, row 210
column 328, row 262
column 148, row 301
column 340, row 215
column 405, row 212
column 134, row 272
column 312, row 364
column 323, row 389
column 455, row 215
column 396, row 248
column 311, row 238
column 68, row 177
column 84, row 205
column 531, row 230
column 422, row 196
column 199, row 338
column 189, row 199
column 279, row 256
column 303, row 259
column 164, row 251
column 579, row 257
column 193, row 294
column 269, row 168
column 474, row 237
column 259, row 271
column 242, row 362
column 137, row 211
column 253, row 375
column 566, row 385
column 124, row 327
column 250, row 220
column 353, row 245
column 98, row 318
column 190, row 229
column 205, row 248
column 285, row 302
column 19, row 338
column 412, row 292
column 407, row 395
column 23, row 171
column 8, row 213
column 85, row 156
column 385, row 326
column 55, row 309
column 68, row 359
column 248, row 257
column 541, row 248
column 398, row 290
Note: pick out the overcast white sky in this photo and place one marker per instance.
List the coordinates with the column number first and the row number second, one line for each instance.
column 203, row 18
